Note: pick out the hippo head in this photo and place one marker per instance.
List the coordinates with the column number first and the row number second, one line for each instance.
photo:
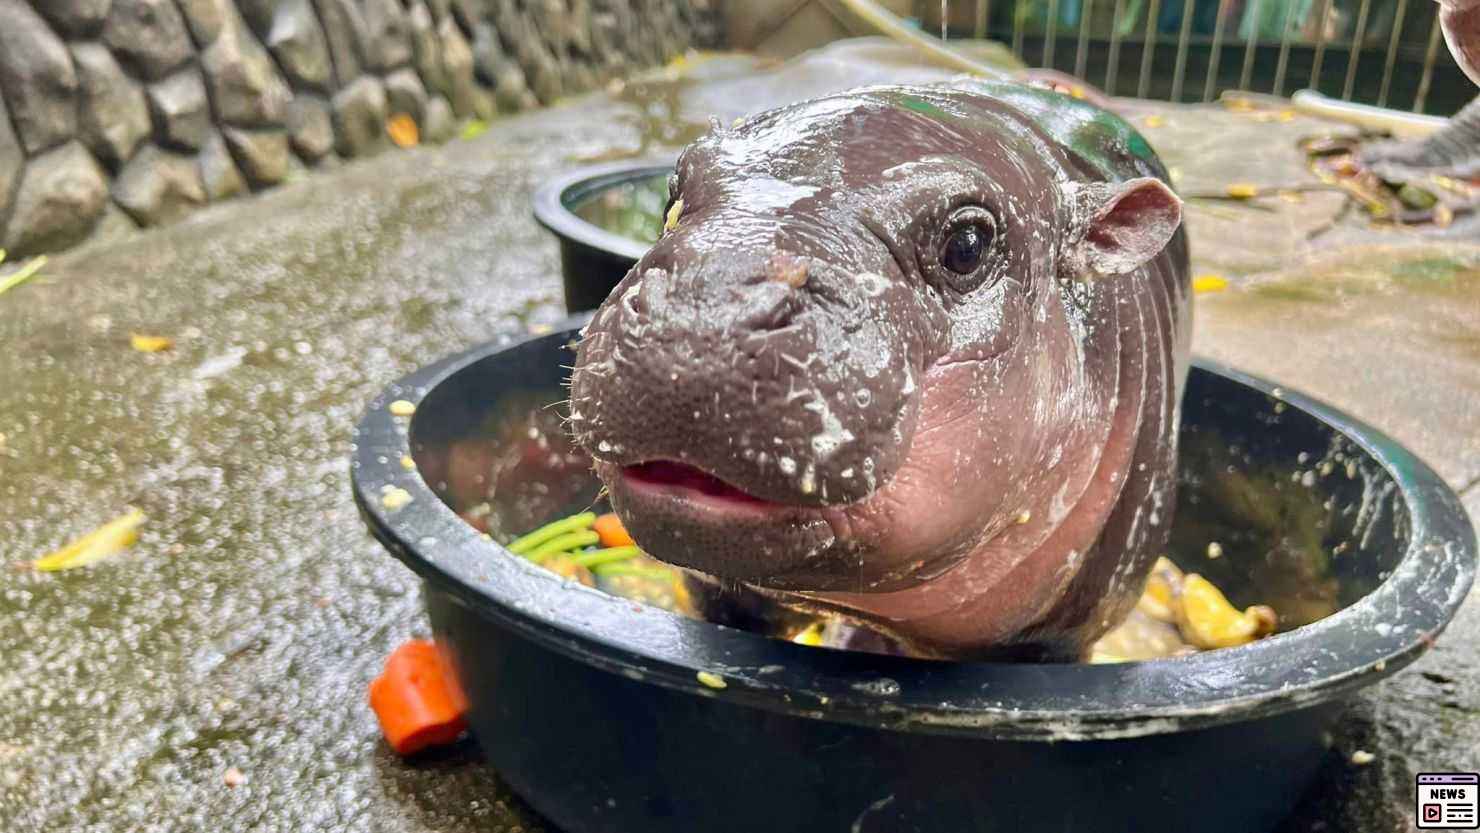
column 857, row 355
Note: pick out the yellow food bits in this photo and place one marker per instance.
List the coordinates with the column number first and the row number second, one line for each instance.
column 711, row 679
column 401, row 408
column 1208, row 620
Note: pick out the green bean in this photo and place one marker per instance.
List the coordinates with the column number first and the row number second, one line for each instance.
column 525, row 543
column 564, row 543
column 624, row 569
column 610, row 555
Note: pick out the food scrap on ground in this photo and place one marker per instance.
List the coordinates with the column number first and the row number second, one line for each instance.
column 150, row 344
column 26, row 272
column 109, row 539
column 417, row 700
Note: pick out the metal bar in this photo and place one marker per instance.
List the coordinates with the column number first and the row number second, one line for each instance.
column 1181, row 67
column 1050, row 33
column 1212, row 82
column 1249, row 45
column 1392, row 54
column 1081, row 54
column 1428, row 65
column 1358, row 35
column 1017, row 29
column 1143, row 84
column 1319, row 57
column 1114, row 64
column 1279, row 69
column 983, row 14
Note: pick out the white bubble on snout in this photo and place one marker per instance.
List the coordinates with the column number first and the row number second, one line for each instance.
column 872, row 284
column 787, row 465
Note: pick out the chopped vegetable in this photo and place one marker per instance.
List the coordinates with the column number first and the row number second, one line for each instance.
column 21, row 275
column 1203, row 284
column 670, row 221
column 564, row 565
column 109, row 539
column 401, row 408
column 416, row 699
column 711, row 679
column 474, row 129
column 1207, row 620
column 575, row 523
column 610, row 555
column 562, row 543
column 402, row 130
column 612, row 533
column 810, row 635
column 150, row 344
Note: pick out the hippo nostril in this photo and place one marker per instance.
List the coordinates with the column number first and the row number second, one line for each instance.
column 645, row 295
column 768, row 306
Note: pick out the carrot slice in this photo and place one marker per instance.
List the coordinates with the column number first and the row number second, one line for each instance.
column 612, row 533
column 416, row 699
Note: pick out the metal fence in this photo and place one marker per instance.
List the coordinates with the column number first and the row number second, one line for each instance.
column 1383, row 52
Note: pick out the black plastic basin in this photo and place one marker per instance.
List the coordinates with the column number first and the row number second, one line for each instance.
column 598, row 247
column 591, row 708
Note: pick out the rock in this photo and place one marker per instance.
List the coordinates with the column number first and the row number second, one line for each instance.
column 389, row 43
column 182, row 115
column 262, row 155
column 439, row 125
column 457, row 66
column 61, row 194
column 359, row 117
column 244, row 85
column 345, row 29
column 488, row 53
column 405, row 94
column 158, row 187
column 12, row 159
column 309, row 128
column 298, row 43
column 469, row 13
column 218, row 174
column 258, row 14
column 205, row 19
column 75, row 18
column 545, row 80
column 580, row 77
column 112, row 116
column 36, row 78
column 511, row 91
column 426, row 48
column 149, row 36
column 114, row 226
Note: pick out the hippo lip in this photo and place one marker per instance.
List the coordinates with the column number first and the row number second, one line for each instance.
column 691, row 482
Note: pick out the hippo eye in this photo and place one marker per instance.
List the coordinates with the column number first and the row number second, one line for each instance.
column 971, row 233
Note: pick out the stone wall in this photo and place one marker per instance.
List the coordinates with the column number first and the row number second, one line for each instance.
column 124, row 113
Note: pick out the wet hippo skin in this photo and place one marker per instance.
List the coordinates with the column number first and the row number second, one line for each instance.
column 911, row 355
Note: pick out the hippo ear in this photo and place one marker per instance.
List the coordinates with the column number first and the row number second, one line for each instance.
column 1118, row 226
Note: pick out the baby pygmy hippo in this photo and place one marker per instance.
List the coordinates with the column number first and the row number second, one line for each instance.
column 907, row 355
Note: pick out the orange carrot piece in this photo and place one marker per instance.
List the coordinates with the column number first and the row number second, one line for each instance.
column 417, row 701
column 612, row 533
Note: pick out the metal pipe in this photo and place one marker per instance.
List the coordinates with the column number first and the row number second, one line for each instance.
column 1017, row 30
column 983, row 17
column 1279, row 70
column 1212, row 81
column 1143, row 84
column 1112, row 69
column 1398, row 122
column 887, row 24
column 1358, row 35
column 1181, row 63
column 1392, row 52
column 1050, row 33
column 1428, row 66
column 1315, row 65
column 1081, row 54
column 1247, row 74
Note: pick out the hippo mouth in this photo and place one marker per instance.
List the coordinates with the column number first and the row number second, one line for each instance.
column 691, row 482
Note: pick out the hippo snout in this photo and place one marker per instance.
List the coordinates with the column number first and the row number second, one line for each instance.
column 749, row 371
